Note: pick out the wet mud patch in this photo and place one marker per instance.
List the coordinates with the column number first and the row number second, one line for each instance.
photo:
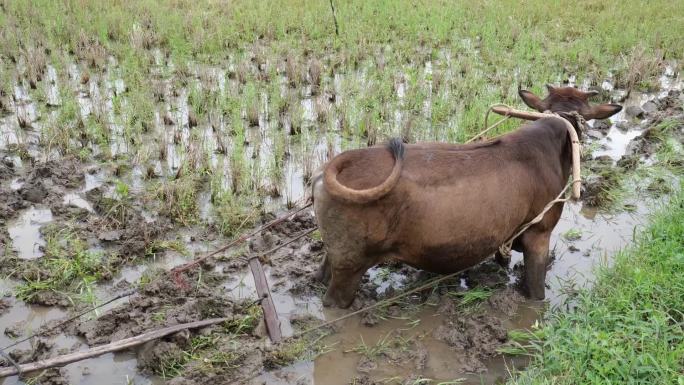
column 224, row 353
column 478, row 333
column 293, row 265
column 473, row 314
column 659, row 121
column 7, row 169
column 12, row 203
column 49, row 180
column 665, row 119
column 162, row 301
column 62, row 252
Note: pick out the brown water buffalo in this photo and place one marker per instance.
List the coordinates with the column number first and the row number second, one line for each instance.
column 445, row 207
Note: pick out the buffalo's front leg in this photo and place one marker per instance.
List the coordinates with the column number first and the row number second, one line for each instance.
column 536, row 251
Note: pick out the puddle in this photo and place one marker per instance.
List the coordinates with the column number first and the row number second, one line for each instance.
column 386, row 279
column 25, row 232
column 94, row 180
column 132, row 274
column 31, row 317
column 600, row 237
column 109, row 369
column 339, row 366
column 16, row 184
column 112, row 368
column 617, row 139
column 72, row 199
column 616, row 142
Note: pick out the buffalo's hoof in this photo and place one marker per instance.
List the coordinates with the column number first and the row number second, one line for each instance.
column 333, row 301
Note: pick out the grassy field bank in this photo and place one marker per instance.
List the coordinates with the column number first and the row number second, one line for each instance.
column 628, row 328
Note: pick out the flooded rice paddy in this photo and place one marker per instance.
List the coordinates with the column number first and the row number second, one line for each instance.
column 109, row 203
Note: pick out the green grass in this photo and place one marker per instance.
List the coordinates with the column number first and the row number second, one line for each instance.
column 68, row 267
column 573, row 234
column 494, row 46
column 300, row 349
column 178, row 198
column 209, row 353
column 217, row 351
column 628, row 328
column 382, row 347
column 472, row 298
column 72, row 269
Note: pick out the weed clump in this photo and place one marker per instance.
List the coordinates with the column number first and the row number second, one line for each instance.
column 178, row 198
column 68, row 271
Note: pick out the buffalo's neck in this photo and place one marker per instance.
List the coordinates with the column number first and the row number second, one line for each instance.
column 553, row 146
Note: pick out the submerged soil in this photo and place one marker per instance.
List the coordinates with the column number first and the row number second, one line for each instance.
column 452, row 331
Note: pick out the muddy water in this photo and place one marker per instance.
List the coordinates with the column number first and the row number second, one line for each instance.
column 25, row 232
column 600, row 236
column 109, row 369
column 73, row 199
column 615, row 143
column 112, row 368
column 338, row 366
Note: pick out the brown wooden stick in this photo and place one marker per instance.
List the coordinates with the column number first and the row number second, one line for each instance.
column 270, row 314
column 527, row 115
column 103, row 349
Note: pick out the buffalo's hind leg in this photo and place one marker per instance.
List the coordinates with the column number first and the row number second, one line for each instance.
column 324, row 272
column 347, row 269
column 535, row 247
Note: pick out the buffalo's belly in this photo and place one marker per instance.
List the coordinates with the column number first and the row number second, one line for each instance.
column 451, row 257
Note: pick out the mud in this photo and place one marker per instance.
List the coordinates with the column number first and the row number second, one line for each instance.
column 6, row 169
column 160, row 302
column 476, row 334
column 11, row 204
column 664, row 110
column 634, row 146
column 467, row 339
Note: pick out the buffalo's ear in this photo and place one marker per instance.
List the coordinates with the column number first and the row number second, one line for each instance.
column 532, row 100
column 602, row 111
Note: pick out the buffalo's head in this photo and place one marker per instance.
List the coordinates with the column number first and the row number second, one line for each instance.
column 569, row 99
